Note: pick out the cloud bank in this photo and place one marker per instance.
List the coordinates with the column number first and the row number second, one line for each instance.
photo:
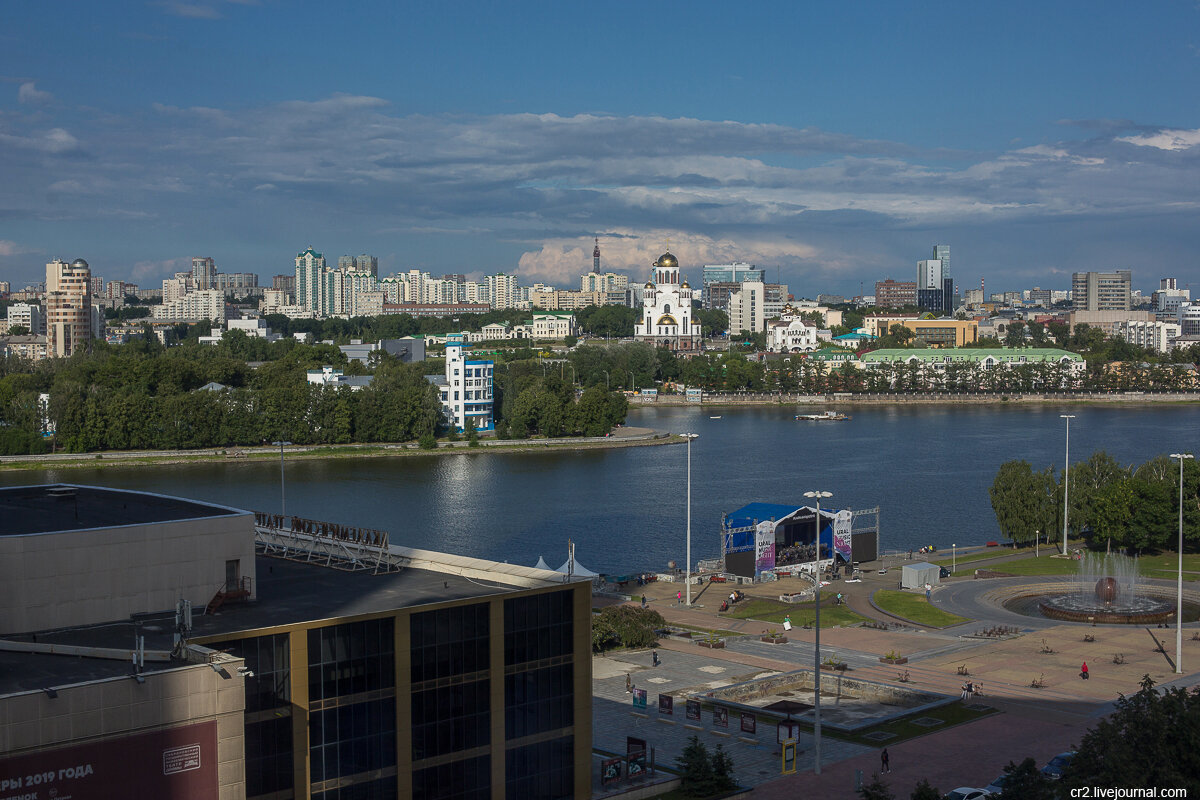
column 484, row 193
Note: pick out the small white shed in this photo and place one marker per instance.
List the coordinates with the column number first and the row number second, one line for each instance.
column 915, row 576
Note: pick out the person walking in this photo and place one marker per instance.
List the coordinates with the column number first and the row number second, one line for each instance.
column 643, row 601
column 928, row 590
column 628, row 684
column 679, row 597
column 654, row 658
column 1083, row 671
column 884, row 763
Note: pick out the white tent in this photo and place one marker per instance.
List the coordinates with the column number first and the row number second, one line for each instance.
column 915, row 576
column 580, row 571
column 541, row 564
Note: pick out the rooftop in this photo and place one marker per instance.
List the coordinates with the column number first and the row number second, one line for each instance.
column 61, row 507
column 289, row 592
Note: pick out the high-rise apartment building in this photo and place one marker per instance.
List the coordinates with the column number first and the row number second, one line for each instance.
column 733, row 273
column 68, row 306
column 503, row 290
column 746, row 308
column 935, row 287
column 1101, row 291
column 204, row 272
column 309, row 267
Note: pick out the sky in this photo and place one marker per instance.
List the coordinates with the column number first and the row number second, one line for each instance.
column 831, row 143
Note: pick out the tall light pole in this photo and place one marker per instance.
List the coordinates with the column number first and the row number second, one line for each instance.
column 1179, row 588
column 282, row 493
column 1066, row 477
column 688, row 566
column 606, row 381
column 632, row 381
column 817, row 625
column 953, row 558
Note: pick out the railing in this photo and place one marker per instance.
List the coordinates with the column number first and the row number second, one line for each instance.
column 315, row 542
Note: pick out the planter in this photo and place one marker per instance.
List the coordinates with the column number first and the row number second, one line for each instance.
column 717, row 645
column 835, row 667
column 774, row 639
column 886, row 660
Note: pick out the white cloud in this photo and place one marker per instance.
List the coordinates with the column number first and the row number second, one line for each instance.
column 192, row 10
column 562, row 261
column 55, row 140
column 29, row 94
column 1165, row 139
column 10, row 248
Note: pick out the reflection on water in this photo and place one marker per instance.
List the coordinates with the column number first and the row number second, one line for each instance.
column 929, row 468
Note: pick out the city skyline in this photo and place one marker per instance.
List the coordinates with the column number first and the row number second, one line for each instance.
column 831, row 146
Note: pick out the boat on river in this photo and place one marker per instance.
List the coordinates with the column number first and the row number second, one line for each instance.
column 824, row 416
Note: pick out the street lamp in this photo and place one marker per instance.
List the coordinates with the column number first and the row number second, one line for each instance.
column 817, row 625
column 1179, row 591
column 282, row 495
column 688, row 566
column 606, row 381
column 632, row 381
column 1066, row 477
column 953, row 557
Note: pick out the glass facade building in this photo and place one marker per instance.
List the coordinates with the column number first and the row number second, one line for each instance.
column 459, row 700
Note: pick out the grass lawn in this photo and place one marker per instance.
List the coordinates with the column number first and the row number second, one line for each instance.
column 1044, row 565
column 952, row 714
column 991, row 552
column 1166, row 565
column 916, row 608
column 801, row 613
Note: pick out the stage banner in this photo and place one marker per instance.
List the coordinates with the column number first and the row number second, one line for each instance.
column 841, row 534
column 764, row 546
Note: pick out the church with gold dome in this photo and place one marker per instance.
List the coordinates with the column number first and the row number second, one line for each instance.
column 666, row 319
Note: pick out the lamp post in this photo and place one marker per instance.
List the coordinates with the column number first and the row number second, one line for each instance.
column 817, row 495
column 688, row 566
column 632, row 381
column 282, row 493
column 1066, row 477
column 606, row 381
column 953, row 557
column 1179, row 587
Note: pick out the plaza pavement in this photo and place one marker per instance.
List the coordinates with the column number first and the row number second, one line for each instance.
column 1036, row 721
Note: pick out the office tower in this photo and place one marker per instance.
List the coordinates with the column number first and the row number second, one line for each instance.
column 68, row 306
column 1101, row 291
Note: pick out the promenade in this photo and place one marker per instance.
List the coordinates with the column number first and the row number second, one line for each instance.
column 1034, row 721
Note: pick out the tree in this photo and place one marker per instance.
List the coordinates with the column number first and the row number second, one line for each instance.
column 924, row 791
column 704, row 774
column 1148, row 740
column 876, row 789
column 1023, row 500
column 625, row 626
column 1025, row 781
column 902, row 334
column 1015, row 335
column 18, row 330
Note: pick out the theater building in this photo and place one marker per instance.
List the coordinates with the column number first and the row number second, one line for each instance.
column 322, row 662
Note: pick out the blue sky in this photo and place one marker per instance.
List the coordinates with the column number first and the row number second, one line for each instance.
column 833, row 143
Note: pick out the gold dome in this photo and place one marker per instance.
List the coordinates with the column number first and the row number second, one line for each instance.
column 649, row 284
column 685, row 284
column 667, row 261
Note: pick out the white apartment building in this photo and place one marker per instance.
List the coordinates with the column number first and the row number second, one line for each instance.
column 1151, row 334
column 607, row 282
column 746, row 311
column 175, row 288
column 29, row 316
column 502, row 290
column 206, row 304
column 552, row 326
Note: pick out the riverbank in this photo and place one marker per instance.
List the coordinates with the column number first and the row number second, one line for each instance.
column 920, row 398
column 622, row 437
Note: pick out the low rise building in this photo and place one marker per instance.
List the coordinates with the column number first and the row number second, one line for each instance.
column 791, row 334
column 30, row 346
column 933, row 332
column 1111, row 322
column 466, row 390
column 1157, row 336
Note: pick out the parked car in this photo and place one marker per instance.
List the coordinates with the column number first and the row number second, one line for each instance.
column 944, row 572
column 997, row 786
column 967, row 793
column 1054, row 770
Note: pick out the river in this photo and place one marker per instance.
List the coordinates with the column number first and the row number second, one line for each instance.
column 927, row 467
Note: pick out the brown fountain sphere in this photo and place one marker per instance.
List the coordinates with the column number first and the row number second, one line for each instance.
column 1107, row 590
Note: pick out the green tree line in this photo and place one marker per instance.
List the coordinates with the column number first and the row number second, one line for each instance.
column 1134, row 508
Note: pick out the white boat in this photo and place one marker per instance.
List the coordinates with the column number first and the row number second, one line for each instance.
column 718, row 416
column 825, row 416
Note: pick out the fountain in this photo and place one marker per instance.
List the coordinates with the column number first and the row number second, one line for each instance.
column 1108, row 591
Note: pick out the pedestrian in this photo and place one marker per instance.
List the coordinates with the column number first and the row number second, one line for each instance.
column 1083, row 671
column 964, row 692
column 643, row 601
column 628, row 684
column 884, row 764
column 654, row 658
column 787, row 622
column 679, row 597
column 928, row 590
